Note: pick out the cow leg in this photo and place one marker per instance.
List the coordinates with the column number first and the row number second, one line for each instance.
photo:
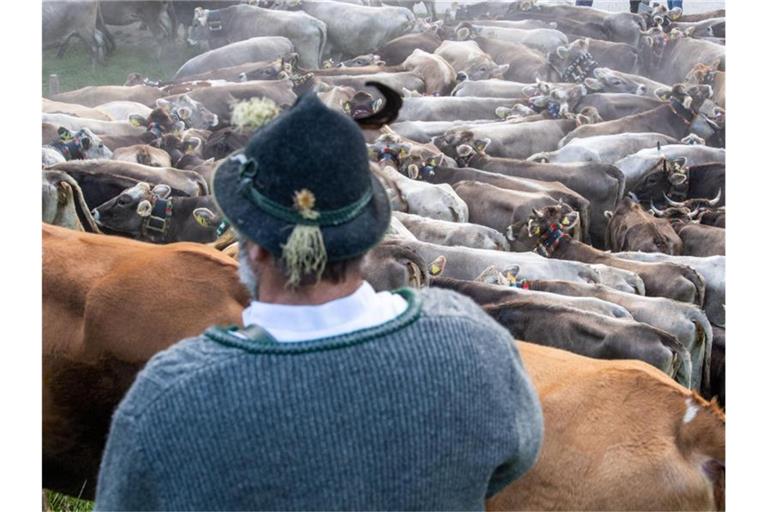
column 63, row 47
column 102, row 27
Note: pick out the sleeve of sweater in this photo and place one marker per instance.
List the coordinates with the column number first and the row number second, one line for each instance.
column 125, row 476
column 528, row 424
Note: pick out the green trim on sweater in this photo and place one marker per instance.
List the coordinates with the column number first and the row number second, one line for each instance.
column 260, row 342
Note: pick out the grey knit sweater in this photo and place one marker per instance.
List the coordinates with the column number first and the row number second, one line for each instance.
column 430, row 411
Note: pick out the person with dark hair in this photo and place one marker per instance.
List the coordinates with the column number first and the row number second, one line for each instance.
column 332, row 396
column 584, row 3
column 671, row 4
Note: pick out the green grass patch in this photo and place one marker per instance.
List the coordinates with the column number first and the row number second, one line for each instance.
column 75, row 69
column 63, row 503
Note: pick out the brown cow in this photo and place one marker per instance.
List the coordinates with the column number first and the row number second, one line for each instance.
column 661, row 279
column 619, row 435
column 631, row 228
column 143, row 154
column 109, row 304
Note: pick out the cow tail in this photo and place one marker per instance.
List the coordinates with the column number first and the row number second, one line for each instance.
column 694, row 277
column 323, row 40
column 705, row 335
column 83, row 212
column 615, row 172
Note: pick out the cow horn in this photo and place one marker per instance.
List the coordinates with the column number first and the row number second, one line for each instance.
column 670, row 202
column 655, row 210
column 692, row 215
column 388, row 114
column 144, row 208
column 633, row 197
column 716, row 199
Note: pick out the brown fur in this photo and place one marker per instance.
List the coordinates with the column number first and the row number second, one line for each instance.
column 109, row 304
column 614, row 439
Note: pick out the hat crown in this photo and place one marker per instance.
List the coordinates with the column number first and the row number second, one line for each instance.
column 312, row 149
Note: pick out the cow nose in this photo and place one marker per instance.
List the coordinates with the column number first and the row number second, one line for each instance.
column 461, row 76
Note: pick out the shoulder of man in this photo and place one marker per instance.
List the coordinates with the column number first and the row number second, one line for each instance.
column 449, row 304
column 170, row 367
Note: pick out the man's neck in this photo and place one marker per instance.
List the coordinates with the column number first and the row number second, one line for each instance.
column 275, row 292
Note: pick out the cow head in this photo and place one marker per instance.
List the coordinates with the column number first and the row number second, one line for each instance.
column 369, row 59
column 550, row 223
column 481, row 67
column 461, row 145
column 224, row 141
column 417, row 161
column 690, row 208
column 391, row 265
column 191, row 112
column 515, row 112
column 127, row 212
column 81, row 145
column 632, row 228
column 694, row 105
column 666, row 177
column 573, row 63
column 206, row 23
column 362, row 104
column 608, row 80
column 276, row 70
column 177, row 145
column 506, row 277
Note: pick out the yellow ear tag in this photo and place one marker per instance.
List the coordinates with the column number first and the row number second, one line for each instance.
column 536, row 230
column 202, row 221
column 566, row 221
column 134, row 122
column 511, row 278
column 434, row 269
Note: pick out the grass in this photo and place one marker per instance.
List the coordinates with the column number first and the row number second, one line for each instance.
column 75, row 69
column 63, row 503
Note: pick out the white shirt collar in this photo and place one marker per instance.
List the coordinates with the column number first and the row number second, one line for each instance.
column 361, row 309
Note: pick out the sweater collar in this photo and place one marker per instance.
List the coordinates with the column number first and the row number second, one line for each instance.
column 310, row 318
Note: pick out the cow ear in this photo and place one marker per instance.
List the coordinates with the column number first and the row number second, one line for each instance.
column 162, row 190
column 192, row 144
column 570, row 220
column 144, row 208
column 462, row 34
column 663, row 93
column 183, row 112
column 647, row 41
column 593, row 84
column 85, row 142
column 511, row 272
column 137, row 120
column 608, row 214
column 675, row 13
column 481, row 144
column 205, row 217
column 437, row 266
column 163, row 104
column 464, row 150
column 502, row 69
column 677, row 178
column 64, row 133
column 581, row 119
column 561, row 52
column 346, row 107
column 413, row 171
column 530, row 90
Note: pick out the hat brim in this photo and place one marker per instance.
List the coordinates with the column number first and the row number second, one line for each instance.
column 342, row 242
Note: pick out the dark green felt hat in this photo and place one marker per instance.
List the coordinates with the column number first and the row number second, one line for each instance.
column 303, row 190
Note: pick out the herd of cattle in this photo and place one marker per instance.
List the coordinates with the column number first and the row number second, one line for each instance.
column 563, row 166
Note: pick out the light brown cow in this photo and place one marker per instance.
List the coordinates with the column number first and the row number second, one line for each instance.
column 143, row 154
column 618, row 435
column 109, row 304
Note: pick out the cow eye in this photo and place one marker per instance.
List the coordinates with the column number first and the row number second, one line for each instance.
column 124, row 199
